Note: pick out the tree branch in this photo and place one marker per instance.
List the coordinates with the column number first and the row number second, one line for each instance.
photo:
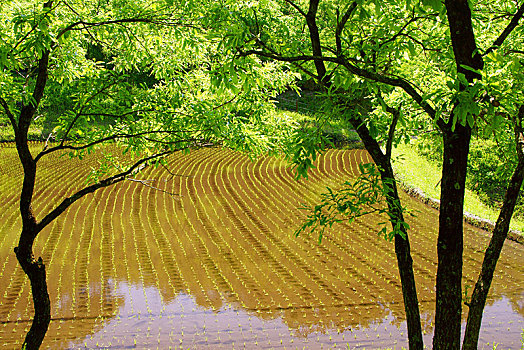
column 311, row 20
column 395, row 112
column 507, row 31
column 341, row 24
column 392, row 81
column 86, row 25
column 92, row 188
column 46, row 7
column 296, row 7
column 273, row 54
column 411, row 20
column 500, row 232
column 374, row 76
column 90, row 98
column 146, row 183
column 119, row 116
column 112, row 138
column 9, row 114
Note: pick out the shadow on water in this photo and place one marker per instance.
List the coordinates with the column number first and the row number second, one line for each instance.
column 217, row 266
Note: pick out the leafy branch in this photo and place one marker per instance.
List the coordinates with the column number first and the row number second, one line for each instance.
column 507, row 31
column 365, row 195
column 133, row 169
column 115, row 137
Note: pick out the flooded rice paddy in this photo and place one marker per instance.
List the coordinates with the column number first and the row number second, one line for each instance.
column 202, row 256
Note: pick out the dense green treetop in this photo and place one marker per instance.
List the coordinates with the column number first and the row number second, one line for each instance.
column 144, row 73
column 401, row 49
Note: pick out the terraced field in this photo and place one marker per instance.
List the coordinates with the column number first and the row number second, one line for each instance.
column 207, row 259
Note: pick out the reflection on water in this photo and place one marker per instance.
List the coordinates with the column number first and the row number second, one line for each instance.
column 219, row 264
column 143, row 320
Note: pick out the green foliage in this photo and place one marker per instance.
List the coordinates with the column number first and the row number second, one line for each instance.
column 143, row 74
column 490, row 165
column 365, row 195
column 416, row 170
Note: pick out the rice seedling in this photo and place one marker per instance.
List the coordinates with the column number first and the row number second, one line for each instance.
column 216, row 265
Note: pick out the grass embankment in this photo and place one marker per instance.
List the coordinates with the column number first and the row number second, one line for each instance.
column 413, row 170
column 416, row 171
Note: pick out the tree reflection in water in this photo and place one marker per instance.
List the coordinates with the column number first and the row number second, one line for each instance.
column 219, row 265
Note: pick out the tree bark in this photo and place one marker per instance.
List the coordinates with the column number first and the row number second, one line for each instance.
column 480, row 293
column 402, row 247
column 35, row 270
column 450, row 238
column 456, row 139
column 311, row 20
column 492, row 254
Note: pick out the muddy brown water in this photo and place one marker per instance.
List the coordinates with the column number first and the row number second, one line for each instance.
column 217, row 265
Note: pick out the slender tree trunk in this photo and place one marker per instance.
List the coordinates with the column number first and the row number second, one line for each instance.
column 456, row 138
column 35, row 270
column 480, row 293
column 402, row 247
column 315, row 40
column 405, row 264
column 450, row 238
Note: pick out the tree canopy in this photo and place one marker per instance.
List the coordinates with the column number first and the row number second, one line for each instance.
column 146, row 76
column 159, row 76
column 394, row 69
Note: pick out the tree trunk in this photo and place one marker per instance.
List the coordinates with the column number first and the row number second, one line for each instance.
column 478, row 298
column 405, row 264
column 456, row 138
column 402, row 248
column 35, row 270
column 500, row 232
column 450, row 238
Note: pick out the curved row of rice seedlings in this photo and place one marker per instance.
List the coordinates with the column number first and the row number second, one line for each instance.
column 13, row 279
column 19, row 304
column 255, row 187
column 348, row 262
column 81, row 303
column 107, row 251
column 121, row 249
column 422, row 240
column 419, row 267
column 270, row 236
column 321, row 252
column 196, row 240
column 271, row 281
column 159, row 254
column 250, row 272
column 237, row 215
column 220, row 256
column 283, row 188
column 147, row 274
column 171, row 246
column 201, row 263
column 19, row 286
column 250, row 196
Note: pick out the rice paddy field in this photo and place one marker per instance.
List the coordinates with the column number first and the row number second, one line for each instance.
column 202, row 256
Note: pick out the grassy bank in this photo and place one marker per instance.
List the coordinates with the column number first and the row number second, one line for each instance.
column 416, row 171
